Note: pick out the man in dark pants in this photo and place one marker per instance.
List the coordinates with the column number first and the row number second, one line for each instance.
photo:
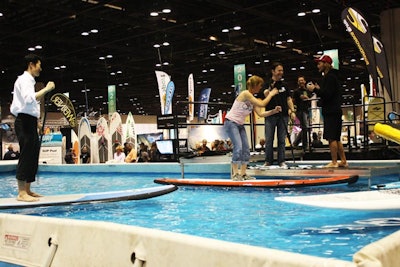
column 301, row 97
column 331, row 96
column 25, row 107
column 279, row 120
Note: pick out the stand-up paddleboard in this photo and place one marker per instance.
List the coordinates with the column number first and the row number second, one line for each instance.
column 130, row 134
column 75, row 199
column 75, row 146
column 375, row 111
column 393, row 185
column 103, row 140
column 278, row 183
column 362, row 200
column 85, row 135
column 115, row 130
column 389, row 131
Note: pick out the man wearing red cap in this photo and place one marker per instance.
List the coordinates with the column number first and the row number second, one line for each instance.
column 330, row 93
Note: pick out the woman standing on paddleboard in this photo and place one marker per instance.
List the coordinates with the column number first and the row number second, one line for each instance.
column 234, row 124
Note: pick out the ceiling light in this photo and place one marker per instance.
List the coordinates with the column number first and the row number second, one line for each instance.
column 213, row 38
column 119, row 72
column 204, row 71
column 221, row 53
column 38, row 47
column 154, row 14
column 84, row 33
column 156, row 46
column 237, row 28
column 94, row 31
column 74, row 81
column 316, row 10
column 166, row 10
column 158, row 65
column 102, row 58
column 352, row 60
column 293, row 68
column 165, row 44
column 302, row 67
column 278, row 42
column 257, row 62
column 63, row 66
column 290, row 40
column 212, row 69
column 1, row 14
column 213, row 54
column 56, row 68
column 165, row 63
column 301, row 14
column 31, row 49
column 225, row 30
column 109, row 56
column 266, row 60
column 112, row 73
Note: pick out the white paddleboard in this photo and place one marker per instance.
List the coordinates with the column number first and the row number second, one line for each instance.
column 362, row 200
column 74, row 199
column 116, row 130
column 130, row 134
column 85, row 135
column 103, row 140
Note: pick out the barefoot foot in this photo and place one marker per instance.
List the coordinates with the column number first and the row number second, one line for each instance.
column 26, row 198
column 332, row 165
column 33, row 194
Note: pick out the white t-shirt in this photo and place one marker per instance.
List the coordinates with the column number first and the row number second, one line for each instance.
column 120, row 157
column 24, row 99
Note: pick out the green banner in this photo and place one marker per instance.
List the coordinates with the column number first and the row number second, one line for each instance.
column 239, row 72
column 111, row 100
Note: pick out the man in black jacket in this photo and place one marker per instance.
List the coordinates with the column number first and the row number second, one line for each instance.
column 331, row 97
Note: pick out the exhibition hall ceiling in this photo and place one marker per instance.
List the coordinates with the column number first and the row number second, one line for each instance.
column 89, row 44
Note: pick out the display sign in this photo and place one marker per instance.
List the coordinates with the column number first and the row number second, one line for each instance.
column 171, row 121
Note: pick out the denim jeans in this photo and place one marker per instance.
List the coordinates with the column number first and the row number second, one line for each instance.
column 279, row 122
column 238, row 136
column 304, row 137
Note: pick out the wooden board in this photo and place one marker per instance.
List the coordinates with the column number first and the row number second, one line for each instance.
column 276, row 183
column 74, row 199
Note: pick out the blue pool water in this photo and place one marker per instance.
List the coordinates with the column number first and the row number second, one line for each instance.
column 243, row 215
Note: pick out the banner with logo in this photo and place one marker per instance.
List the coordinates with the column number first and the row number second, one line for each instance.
column 204, row 97
column 170, row 93
column 162, row 80
column 112, row 106
column 382, row 66
column 239, row 73
column 64, row 104
column 358, row 29
column 191, row 96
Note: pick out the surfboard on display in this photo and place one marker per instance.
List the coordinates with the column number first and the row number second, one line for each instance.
column 85, row 135
column 267, row 183
column 130, row 134
column 375, row 111
column 103, row 140
column 362, row 200
column 116, row 130
column 75, row 145
column 84, row 198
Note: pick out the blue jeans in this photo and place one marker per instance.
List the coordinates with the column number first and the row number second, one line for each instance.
column 238, row 136
column 279, row 122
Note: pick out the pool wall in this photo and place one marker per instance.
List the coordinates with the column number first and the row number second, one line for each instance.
column 40, row 241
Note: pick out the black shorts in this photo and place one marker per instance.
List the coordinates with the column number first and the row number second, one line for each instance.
column 333, row 126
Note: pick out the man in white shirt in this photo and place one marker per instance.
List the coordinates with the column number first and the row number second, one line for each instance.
column 25, row 107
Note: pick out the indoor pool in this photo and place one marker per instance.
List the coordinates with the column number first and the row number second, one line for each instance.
column 242, row 215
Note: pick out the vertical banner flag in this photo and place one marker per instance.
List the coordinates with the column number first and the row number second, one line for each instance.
column 168, row 100
column 191, row 96
column 162, row 80
column 64, row 104
column 111, row 100
column 204, row 97
column 358, row 29
column 382, row 66
column 239, row 72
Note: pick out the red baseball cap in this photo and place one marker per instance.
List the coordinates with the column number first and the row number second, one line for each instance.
column 324, row 58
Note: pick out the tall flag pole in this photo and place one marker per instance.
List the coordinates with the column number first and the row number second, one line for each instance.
column 358, row 29
column 239, row 73
column 382, row 66
column 191, row 96
column 162, row 79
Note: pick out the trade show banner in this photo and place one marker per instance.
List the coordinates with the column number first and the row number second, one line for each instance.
column 170, row 93
column 382, row 66
column 64, row 104
column 162, row 79
column 191, row 96
column 204, row 97
column 112, row 106
column 239, row 72
column 358, row 29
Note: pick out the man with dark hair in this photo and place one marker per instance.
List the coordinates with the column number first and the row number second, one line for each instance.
column 301, row 97
column 331, row 96
column 25, row 107
column 278, row 120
